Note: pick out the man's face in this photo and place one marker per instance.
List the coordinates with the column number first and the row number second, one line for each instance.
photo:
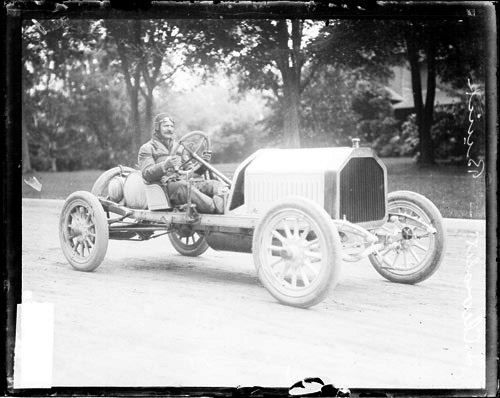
column 167, row 129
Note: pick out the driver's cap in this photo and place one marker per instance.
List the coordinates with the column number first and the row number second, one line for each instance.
column 160, row 118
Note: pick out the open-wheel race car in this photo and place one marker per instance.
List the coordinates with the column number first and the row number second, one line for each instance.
column 300, row 212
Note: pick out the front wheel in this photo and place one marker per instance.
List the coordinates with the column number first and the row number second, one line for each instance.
column 297, row 252
column 188, row 243
column 415, row 246
column 83, row 231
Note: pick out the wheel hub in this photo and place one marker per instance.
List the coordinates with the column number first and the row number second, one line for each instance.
column 407, row 233
column 81, row 228
column 293, row 252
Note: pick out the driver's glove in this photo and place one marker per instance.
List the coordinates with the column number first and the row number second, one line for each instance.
column 172, row 162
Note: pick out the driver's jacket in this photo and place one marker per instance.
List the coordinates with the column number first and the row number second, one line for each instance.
column 151, row 157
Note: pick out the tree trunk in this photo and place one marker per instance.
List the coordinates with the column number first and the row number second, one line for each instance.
column 132, row 74
column 291, row 125
column 150, row 77
column 147, row 94
column 25, row 144
column 289, row 63
column 135, row 119
column 148, row 117
column 426, row 141
column 423, row 113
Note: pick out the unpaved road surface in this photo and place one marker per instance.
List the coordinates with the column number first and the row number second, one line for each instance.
column 150, row 317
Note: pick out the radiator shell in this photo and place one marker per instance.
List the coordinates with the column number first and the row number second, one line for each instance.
column 349, row 183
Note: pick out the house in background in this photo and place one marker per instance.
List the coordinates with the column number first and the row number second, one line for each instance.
column 401, row 94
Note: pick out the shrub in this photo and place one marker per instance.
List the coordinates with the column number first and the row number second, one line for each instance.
column 449, row 133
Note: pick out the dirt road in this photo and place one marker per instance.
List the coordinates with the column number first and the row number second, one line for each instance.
column 150, row 317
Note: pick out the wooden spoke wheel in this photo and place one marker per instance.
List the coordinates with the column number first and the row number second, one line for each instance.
column 415, row 252
column 296, row 249
column 83, row 231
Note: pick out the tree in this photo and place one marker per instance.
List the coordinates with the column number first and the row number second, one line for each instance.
column 267, row 55
column 150, row 52
column 71, row 103
column 276, row 57
column 444, row 47
column 129, row 44
column 48, row 48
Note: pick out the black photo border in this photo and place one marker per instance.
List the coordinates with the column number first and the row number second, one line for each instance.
column 14, row 12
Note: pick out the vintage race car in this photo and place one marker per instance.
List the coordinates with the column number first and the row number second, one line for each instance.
column 300, row 212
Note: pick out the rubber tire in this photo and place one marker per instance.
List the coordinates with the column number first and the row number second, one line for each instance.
column 194, row 250
column 100, row 187
column 434, row 261
column 101, row 230
column 330, row 273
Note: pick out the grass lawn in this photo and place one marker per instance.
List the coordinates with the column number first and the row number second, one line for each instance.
column 451, row 188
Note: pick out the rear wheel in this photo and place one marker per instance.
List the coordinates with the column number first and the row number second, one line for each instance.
column 83, row 231
column 296, row 250
column 416, row 245
column 188, row 243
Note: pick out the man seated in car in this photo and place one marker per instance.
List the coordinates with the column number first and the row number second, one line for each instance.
column 158, row 165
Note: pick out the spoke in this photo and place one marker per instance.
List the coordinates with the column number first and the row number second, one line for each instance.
column 309, row 265
column 419, row 222
column 274, row 264
column 278, row 236
column 305, row 279
column 285, row 271
column 412, row 252
column 71, row 235
column 90, row 244
column 85, row 246
column 312, row 254
column 385, row 261
column 312, row 243
column 405, row 260
column 202, row 142
column 304, row 233
column 294, row 278
column 296, row 227
column 287, row 229
column 384, row 252
column 395, row 259
column 77, row 245
column 278, row 268
column 273, row 247
column 420, row 246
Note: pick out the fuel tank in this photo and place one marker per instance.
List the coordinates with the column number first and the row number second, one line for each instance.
column 229, row 242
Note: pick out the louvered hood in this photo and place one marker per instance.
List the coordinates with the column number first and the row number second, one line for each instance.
column 347, row 182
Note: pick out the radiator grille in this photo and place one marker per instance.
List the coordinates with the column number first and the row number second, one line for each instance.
column 362, row 195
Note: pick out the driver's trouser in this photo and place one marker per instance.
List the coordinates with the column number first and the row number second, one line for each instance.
column 202, row 193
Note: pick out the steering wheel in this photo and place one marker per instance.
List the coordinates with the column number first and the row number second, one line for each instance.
column 193, row 142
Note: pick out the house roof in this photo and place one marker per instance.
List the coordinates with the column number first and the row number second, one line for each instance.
column 394, row 97
column 441, row 98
